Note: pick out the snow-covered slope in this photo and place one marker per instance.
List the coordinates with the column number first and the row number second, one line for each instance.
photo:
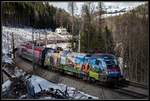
column 25, row 34
column 22, row 35
column 36, row 85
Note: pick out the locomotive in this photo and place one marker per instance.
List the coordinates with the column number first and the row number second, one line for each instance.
column 98, row 66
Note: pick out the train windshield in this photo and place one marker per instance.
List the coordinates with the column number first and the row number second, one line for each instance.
column 110, row 61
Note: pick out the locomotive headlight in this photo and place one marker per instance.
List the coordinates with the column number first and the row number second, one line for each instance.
column 107, row 72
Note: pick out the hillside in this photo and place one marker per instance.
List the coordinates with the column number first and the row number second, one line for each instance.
column 130, row 33
column 34, row 14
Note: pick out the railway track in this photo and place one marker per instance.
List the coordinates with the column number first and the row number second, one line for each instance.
column 132, row 88
column 121, row 88
column 135, row 84
column 135, row 90
column 131, row 93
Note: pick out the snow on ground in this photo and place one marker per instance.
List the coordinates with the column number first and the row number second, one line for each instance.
column 76, row 94
column 64, row 37
column 37, row 84
column 22, row 35
column 6, row 59
column 6, row 85
column 35, row 81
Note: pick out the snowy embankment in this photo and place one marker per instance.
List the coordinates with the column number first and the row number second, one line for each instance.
column 22, row 34
column 25, row 34
column 8, row 33
column 36, row 85
column 64, row 37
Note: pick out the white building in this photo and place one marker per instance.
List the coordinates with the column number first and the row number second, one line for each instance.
column 62, row 31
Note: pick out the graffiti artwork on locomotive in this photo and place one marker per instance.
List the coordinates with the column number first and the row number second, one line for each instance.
column 99, row 66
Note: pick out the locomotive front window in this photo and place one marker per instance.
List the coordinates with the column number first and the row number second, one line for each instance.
column 97, row 62
column 86, row 61
column 111, row 63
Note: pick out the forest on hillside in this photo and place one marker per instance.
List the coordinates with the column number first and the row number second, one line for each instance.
column 34, row 14
column 125, row 35
column 131, row 35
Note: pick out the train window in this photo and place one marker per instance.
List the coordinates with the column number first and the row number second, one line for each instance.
column 110, row 63
column 86, row 61
column 103, row 65
column 97, row 62
column 92, row 61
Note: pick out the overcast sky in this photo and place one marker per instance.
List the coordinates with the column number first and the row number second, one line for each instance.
column 114, row 5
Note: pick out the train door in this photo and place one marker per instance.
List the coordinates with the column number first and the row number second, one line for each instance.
column 47, row 61
column 86, row 66
column 95, row 68
column 27, row 53
column 37, row 55
column 43, row 55
column 79, row 61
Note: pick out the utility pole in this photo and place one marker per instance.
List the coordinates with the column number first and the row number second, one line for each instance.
column 79, row 43
column 33, row 62
column 45, row 39
column 7, row 42
column 13, row 45
column 39, row 39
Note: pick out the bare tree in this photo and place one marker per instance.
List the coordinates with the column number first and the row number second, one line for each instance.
column 87, row 12
column 131, row 30
column 72, row 7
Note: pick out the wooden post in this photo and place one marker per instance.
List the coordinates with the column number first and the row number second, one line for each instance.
column 13, row 46
column 33, row 51
column 79, row 43
column 39, row 38
column 45, row 39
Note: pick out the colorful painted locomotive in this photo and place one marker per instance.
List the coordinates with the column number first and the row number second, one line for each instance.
column 99, row 67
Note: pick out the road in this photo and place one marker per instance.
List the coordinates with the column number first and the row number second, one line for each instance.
column 99, row 91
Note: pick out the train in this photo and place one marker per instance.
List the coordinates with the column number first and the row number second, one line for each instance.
column 102, row 67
